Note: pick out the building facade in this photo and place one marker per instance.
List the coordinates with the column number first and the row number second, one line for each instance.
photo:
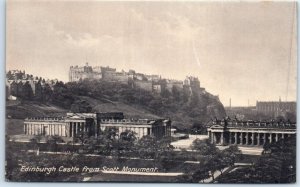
column 249, row 133
column 86, row 72
column 141, row 127
column 20, row 84
column 92, row 124
column 276, row 108
column 151, row 83
column 46, row 127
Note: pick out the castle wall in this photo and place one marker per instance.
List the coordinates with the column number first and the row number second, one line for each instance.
column 146, row 85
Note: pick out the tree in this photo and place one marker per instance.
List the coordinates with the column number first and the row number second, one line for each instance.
column 53, row 141
column 34, row 142
column 201, row 175
column 204, row 147
column 27, row 92
column 230, row 154
column 127, row 140
column 276, row 165
column 150, row 147
column 176, row 93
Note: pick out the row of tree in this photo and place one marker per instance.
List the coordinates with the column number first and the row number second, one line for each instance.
column 211, row 160
column 276, row 165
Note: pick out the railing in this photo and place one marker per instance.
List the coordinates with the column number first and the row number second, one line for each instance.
column 279, row 125
column 43, row 119
column 125, row 121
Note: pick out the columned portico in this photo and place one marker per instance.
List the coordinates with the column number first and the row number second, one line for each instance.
column 250, row 133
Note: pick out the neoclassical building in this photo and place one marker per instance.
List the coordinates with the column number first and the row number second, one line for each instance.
column 142, row 127
column 249, row 133
column 77, row 124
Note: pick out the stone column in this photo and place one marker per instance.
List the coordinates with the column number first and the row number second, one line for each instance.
column 230, row 138
column 258, row 139
column 49, row 131
column 24, row 128
column 235, row 138
column 241, row 139
column 282, row 135
column 252, row 138
column 270, row 138
column 265, row 138
column 72, row 129
column 211, row 137
column 276, row 137
column 76, row 128
column 95, row 125
column 222, row 138
column 247, row 138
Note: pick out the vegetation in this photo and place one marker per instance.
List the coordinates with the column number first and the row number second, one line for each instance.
column 276, row 165
column 211, row 160
column 178, row 104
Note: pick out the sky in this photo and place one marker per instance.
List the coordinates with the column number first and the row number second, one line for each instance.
column 239, row 50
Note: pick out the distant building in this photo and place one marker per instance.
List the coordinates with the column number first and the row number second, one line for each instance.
column 18, row 83
column 276, row 108
column 141, row 127
column 191, row 85
column 249, row 133
column 170, row 84
column 75, row 124
column 86, row 72
column 151, row 83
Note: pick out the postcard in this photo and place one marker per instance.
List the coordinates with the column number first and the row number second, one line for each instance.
column 164, row 91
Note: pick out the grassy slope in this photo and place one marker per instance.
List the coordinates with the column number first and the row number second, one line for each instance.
column 32, row 109
column 129, row 111
column 14, row 126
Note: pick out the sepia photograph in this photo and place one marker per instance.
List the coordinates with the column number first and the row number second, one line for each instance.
column 151, row 91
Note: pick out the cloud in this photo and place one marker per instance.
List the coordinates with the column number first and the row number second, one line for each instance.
column 237, row 44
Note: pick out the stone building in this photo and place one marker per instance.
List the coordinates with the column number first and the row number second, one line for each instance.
column 174, row 83
column 24, row 85
column 86, row 72
column 191, row 85
column 46, row 126
column 145, row 85
column 276, row 108
column 91, row 124
column 249, row 133
column 151, row 83
column 141, row 127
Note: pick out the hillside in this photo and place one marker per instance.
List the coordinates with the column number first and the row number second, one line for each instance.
column 99, row 96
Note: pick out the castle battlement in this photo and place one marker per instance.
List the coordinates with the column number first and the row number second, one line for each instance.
column 153, row 83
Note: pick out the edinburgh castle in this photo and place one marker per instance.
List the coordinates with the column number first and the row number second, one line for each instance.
column 152, row 83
